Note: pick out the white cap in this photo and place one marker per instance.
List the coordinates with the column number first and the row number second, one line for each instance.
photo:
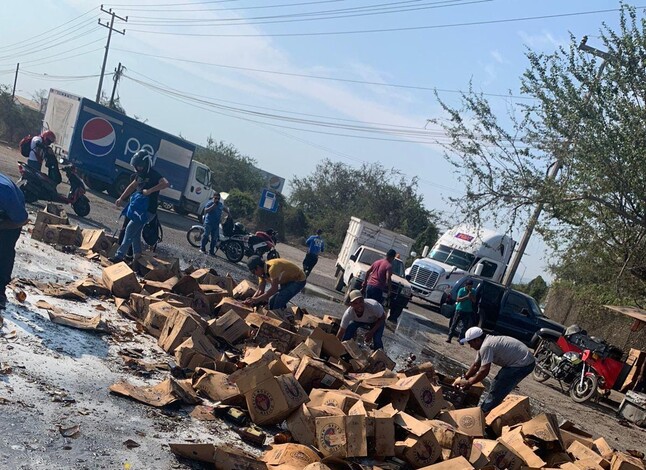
column 472, row 333
column 354, row 295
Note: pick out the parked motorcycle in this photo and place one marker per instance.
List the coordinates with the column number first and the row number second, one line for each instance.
column 586, row 365
column 35, row 185
column 236, row 242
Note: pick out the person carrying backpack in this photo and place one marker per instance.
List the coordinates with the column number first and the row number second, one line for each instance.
column 142, row 207
column 37, row 148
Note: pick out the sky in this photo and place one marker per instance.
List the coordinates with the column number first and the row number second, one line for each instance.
column 292, row 82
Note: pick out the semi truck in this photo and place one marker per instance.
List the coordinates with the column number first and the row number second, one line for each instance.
column 100, row 142
column 461, row 250
column 364, row 244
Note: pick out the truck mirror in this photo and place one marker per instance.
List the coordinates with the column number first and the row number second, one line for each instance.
column 413, row 254
column 425, row 251
column 524, row 312
column 407, row 276
column 353, row 258
column 478, row 270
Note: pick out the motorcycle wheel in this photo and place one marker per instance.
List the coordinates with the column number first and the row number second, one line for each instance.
column 582, row 392
column 541, row 357
column 234, row 251
column 194, row 236
column 82, row 206
column 273, row 254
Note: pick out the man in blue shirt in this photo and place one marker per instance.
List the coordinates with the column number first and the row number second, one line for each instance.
column 12, row 217
column 464, row 304
column 315, row 245
column 212, row 215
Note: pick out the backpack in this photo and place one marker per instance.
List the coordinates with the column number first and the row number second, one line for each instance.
column 137, row 208
column 25, row 145
column 153, row 233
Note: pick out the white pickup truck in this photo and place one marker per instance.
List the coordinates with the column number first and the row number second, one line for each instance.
column 364, row 244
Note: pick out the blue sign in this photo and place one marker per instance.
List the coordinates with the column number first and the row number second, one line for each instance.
column 268, row 201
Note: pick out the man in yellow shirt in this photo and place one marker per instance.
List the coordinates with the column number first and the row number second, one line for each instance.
column 287, row 280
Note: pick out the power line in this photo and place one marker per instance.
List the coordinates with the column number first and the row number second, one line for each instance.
column 317, row 77
column 40, row 62
column 388, row 30
column 124, row 6
column 46, row 60
column 283, row 5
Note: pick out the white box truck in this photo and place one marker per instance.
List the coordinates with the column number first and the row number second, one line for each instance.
column 364, row 244
column 463, row 249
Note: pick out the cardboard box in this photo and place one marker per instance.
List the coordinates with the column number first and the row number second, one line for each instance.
column 230, row 327
column 420, row 448
column 283, row 340
column 544, row 427
column 230, row 458
column 62, row 235
column 121, row 280
column 185, row 286
column 427, row 398
column 601, row 447
column 514, row 409
column 197, row 344
column 269, row 399
column 217, row 387
column 156, row 318
column 228, row 303
column 514, row 440
column 342, row 436
column 450, row 438
column 457, row 463
column 179, row 326
column 335, row 398
column 313, row 322
column 499, row 454
column 301, row 423
column 331, row 346
column 95, row 240
column 382, row 440
column 255, row 320
column 379, row 361
column 579, row 451
column 244, row 290
column 469, row 421
column 314, row 373
column 287, row 456
column 621, row 461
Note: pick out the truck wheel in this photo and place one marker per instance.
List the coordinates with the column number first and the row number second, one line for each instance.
column 119, row 186
column 82, row 206
column 339, row 282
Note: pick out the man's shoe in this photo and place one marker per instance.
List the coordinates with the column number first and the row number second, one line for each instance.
column 202, row 251
column 212, row 254
column 115, row 260
column 448, row 340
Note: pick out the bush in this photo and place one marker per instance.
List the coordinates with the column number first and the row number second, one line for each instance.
column 241, row 204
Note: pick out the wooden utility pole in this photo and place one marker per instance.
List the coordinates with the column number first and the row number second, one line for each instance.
column 110, row 27
column 15, row 81
column 117, row 75
column 553, row 171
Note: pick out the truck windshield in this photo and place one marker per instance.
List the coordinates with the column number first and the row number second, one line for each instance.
column 369, row 257
column 452, row 256
column 203, row 176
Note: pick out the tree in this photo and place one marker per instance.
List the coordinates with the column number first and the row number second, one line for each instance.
column 230, row 169
column 536, row 288
column 335, row 191
column 590, row 122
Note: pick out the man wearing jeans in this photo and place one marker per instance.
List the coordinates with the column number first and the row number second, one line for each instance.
column 514, row 358
column 287, row 280
column 377, row 281
column 212, row 215
column 363, row 313
column 12, row 217
column 463, row 311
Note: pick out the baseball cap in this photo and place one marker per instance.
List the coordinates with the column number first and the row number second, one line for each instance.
column 472, row 333
column 354, row 295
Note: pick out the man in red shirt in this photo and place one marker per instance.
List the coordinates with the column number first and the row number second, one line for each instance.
column 377, row 281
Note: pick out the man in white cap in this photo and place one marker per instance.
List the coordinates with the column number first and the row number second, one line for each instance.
column 363, row 313
column 514, row 358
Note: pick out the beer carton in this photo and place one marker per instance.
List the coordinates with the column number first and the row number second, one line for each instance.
column 121, row 280
column 426, row 397
column 469, row 421
column 513, row 410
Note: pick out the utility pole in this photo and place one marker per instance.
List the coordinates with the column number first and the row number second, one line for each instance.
column 117, row 75
column 553, row 171
column 15, row 81
column 107, row 45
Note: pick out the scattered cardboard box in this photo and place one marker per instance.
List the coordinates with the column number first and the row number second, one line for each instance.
column 230, row 327
column 121, row 280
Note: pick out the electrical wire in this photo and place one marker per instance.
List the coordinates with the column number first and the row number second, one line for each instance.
column 316, row 77
column 283, row 5
column 124, row 6
column 13, row 45
column 49, row 57
column 388, row 30
column 50, row 46
column 61, row 77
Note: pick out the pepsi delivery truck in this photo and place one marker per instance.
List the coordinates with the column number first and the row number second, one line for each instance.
column 100, row 142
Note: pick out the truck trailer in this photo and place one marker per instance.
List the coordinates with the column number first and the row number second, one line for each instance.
column 100, row 142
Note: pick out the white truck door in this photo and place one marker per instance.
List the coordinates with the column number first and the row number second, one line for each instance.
column 198, row 186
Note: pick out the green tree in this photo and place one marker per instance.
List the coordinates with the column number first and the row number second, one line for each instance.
column 590, row 121
column 335, row 191
column 230, row 169
column 536, row 288
column 242, row 205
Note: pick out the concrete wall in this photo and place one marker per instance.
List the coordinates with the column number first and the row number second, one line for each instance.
column 563, row 307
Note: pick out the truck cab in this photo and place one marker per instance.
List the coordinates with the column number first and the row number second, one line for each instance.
column 503, row 310
column 460, row 251
column 197, row 190
column 355, row 274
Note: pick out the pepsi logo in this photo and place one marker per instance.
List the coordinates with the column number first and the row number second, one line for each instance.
column 198, row 190
column 98, row 137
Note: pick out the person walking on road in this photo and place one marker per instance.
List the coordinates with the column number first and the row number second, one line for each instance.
column 377, row 281
column 514, row 358
column 287, row 280
column 464, row 304
column 146, row 184
column 212, row 216
column 12, row 217
column 363, row 313
column 315, row 246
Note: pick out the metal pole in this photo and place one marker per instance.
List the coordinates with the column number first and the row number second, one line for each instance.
column 105, row 59
column 15, row 81
column 117, row 76
column 553, row 173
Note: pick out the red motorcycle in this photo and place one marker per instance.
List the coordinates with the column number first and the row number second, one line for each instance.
column 589, row 366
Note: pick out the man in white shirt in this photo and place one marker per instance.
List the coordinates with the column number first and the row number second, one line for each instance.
column 514, row 358
column 363, row 313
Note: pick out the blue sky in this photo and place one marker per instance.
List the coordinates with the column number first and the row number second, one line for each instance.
column 243, row 34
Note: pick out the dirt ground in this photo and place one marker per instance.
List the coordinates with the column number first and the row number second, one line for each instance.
column 59, row 377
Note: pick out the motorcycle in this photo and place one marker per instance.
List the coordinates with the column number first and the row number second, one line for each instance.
column 588, row 366
column 236, row 242
column 35, row 185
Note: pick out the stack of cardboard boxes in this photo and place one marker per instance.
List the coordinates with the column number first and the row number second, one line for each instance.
column 288, row 368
